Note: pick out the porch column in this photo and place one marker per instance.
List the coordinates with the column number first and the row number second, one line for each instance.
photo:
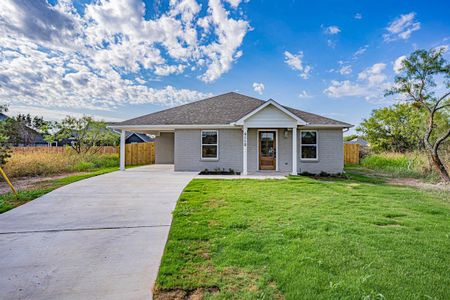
column 294, row 151
column 122, row 150
column 244, row 147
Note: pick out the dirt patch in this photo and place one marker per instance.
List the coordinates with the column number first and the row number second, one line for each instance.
column 25, row 183
column 180, row 294
column 420, row 184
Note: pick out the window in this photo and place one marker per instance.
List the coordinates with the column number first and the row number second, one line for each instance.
column 308, row 146
column 210, row 142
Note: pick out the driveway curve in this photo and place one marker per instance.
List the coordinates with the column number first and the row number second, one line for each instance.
column 99, row 238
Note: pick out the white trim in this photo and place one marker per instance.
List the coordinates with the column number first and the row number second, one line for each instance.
column 216, row 144
column 326, row 126
column 276, row 147
column 294, row 151
column 244, row 150
column 316, row 144
column 267, row 103
column 171, row 127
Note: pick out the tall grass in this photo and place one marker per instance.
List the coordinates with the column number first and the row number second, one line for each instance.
column 413, row 164
column 46, row 163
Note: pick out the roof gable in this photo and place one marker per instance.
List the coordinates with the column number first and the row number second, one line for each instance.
column 279, row 114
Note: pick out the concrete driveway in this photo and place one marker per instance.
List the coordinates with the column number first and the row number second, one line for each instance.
column 100, row 238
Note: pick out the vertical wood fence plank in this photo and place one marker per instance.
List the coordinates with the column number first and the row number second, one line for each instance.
column 351, row 153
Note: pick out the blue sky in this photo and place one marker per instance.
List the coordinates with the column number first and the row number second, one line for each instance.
column 117, row 60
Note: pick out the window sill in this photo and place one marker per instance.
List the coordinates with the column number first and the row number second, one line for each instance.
column 209, row 159
column 306, row 160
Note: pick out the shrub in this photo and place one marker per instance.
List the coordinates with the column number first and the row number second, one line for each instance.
column 413, row 164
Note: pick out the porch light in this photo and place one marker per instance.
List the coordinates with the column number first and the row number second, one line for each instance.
column 286, row 133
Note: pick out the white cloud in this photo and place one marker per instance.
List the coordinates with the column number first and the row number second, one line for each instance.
column 358, row 16
column 360, row 51
column 332, row 30
column 398, row 64
column 258, row 87
column 401, row 28
column 304, row 94
column 295, row 61
column 374, row 75
column 345, row 70
column 370, row 85
column 55, row 56
column 234, row 3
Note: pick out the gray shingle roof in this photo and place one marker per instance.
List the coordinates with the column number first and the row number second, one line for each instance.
column 221, row 109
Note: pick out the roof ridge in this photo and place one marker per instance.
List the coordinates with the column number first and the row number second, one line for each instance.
column 182, row 105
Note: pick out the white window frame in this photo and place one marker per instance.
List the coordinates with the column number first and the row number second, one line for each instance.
column 216, row 144
column 316, row 144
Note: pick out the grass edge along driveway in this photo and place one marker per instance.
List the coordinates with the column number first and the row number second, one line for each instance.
column 305, row 238
column 9, row 201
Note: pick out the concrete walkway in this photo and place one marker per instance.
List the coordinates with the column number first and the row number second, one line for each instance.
column 100, row 238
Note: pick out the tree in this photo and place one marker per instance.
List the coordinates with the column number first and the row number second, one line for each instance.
column 417, row 84
column 4, row 138
column 84, row 134
column 23, row 129
column 350, row 137
column 396, row 128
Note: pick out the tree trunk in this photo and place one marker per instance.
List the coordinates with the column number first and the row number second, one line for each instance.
column 439, row 166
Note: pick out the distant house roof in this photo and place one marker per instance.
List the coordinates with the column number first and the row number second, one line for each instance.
column 143, row 137
column 359, row 141
column 222, row 109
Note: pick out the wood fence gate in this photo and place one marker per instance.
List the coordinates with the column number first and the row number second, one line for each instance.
column 140, row 154
column 351, row 153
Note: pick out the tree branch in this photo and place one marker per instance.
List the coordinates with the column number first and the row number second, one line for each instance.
column 440, row 140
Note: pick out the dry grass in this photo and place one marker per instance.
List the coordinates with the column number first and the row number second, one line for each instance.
column 43, row 163
column 412, row 164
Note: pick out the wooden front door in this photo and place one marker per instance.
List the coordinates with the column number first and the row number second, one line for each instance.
column 267, row 150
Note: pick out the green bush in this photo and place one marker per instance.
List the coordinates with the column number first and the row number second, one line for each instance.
column 83, row 166
column 413, row 164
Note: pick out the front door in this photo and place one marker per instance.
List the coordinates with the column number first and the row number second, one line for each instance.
column 267, row 150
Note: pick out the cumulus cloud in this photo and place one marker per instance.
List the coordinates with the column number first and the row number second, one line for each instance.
column 295, row 62
column 258, row 87
column 358, row 16
column 398, row 64
column 345, row 70
column 401, row 28
column 55, row 55
column 370, row 84
column 332, row 30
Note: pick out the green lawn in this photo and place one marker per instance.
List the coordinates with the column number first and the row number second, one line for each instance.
column 9, row 201
column 305, row 238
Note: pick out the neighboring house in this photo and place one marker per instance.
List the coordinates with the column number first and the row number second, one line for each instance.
column 242, row 133
column 25, row 136
column 360, row 141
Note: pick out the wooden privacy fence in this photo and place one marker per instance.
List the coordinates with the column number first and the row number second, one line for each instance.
column 351, row 153
column 139, row 154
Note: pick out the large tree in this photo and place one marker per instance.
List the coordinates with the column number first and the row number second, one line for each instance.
column 396, row 128
column 417, row 83
column 84, row 133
